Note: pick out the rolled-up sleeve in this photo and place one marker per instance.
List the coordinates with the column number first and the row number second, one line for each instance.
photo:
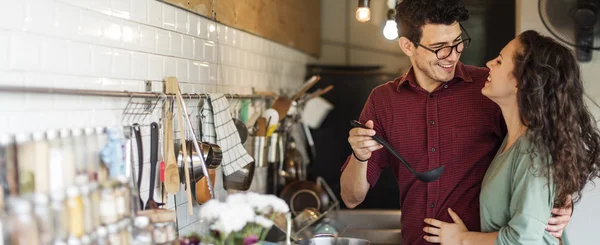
column 379, row 158
column 530, row 205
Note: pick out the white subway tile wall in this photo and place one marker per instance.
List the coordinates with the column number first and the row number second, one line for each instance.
column 119, row 45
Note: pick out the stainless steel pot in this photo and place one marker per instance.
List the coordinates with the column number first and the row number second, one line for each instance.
column 330, row 239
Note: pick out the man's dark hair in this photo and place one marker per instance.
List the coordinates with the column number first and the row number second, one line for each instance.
column 412, row 15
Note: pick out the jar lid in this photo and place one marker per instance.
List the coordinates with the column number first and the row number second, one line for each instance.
column 85, row 189
column 76, row 132
column 88, row 131
column 85, row 239
column 58, row 196
column 51, row 134
column 37, row 136
column 72, row 191
column 64, row 133
column 141, row 221
column 6, row 139
column 101, row 232
column 19, row 205
column 73, row 241
column 22, row 138
column 59, row 242
column 113, row 228
column 40, row 199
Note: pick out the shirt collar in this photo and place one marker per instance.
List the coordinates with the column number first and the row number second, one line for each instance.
column 460, row 74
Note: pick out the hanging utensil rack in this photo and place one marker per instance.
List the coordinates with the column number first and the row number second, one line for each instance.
column 109, row 93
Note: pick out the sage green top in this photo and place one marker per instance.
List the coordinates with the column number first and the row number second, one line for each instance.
column 515, row 198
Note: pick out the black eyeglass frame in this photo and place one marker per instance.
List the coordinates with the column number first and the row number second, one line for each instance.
column 453, row 47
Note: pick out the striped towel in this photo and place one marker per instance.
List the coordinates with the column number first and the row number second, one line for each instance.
column 218, row 127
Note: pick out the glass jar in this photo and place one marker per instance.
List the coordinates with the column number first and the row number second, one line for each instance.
column 142, row 231
column 23, row 228
column 114, row 238
column 125, row 228
column 102, row 236
column 161, row 235
column 44, row 218
column 122, row 200
column 108, row 204
column 165, row 232
column 75, row 211
column 95, row 199
column 88, row 221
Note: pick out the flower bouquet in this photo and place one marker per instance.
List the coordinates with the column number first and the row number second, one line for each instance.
column 244, row 219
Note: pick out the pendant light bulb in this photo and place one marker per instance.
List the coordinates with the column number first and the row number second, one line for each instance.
column 363, row 13
column 390, row 30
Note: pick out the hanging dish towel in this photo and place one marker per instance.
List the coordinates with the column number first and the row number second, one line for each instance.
column 235, row 156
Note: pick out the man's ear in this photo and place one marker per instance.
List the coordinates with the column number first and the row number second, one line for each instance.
column 407, row 46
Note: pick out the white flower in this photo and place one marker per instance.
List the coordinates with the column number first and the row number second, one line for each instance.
column 260, row 203
column 236, row 198
column 278, row 204
column 241, row 209
column 210, row 210
column 233, row 217
column 262, row 221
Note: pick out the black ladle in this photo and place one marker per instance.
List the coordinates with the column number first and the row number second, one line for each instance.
column 151, row 204
column 428, row 176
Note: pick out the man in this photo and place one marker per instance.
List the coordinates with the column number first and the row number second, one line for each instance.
column 433, row 115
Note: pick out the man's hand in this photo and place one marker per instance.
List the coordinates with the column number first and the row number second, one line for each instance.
column 560, row 219
column 362, row 143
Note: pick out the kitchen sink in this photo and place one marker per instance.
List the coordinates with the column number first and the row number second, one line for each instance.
column 377, row 226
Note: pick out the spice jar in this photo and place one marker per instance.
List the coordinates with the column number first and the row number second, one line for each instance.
column 88, row 222
column 160, row 233
column 125, row 231
column 114, row 237
column 142, row 231
column 75, row 211
column 95, row 199
column 165, row 232
column 108, row 204
column 102, row 236
column 122, row 199
column 60, row 219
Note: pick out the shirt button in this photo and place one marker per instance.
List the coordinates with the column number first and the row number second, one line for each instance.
column 432, row 149
column 446, row 86
column 431, row 122
column 431, row 205
column 431, row 95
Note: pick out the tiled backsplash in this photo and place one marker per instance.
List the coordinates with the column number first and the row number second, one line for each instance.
column 119, row 45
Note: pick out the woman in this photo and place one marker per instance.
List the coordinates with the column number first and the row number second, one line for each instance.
column 551, row 151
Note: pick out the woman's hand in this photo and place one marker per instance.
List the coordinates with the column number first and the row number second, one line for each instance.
column 445, row 233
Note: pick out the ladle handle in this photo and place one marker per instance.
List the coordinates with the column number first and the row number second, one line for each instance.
column 380, row 140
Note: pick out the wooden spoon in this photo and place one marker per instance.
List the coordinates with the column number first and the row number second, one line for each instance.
column 172, row 171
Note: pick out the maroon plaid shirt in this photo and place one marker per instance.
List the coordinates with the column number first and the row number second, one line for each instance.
column 455, row 126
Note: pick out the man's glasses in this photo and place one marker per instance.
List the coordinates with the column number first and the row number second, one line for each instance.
column 444, row 52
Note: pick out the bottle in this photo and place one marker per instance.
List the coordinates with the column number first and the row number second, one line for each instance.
column 75, row 211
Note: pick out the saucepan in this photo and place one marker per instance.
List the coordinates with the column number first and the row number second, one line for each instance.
column 300, row 195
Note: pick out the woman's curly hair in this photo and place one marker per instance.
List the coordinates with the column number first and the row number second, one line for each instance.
column 551, row 104
column 412, row 15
